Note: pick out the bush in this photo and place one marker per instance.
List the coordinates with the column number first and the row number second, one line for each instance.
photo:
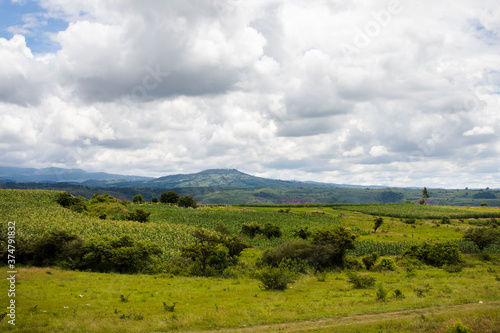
column 381, row 293
column 398, row 294
column 410, row 221
column 438, row 254
column 482, row 237
column 222, row 229
column 169, row 197
column 386, row 263
column 302, row 233
column 138, row 199
column 251, row 229
column 138, row 215
column 353, row 263
column 272, row 278
column 338, row 240
column 458, row 327
column 187, row 201
column 76, row 204
column 271, row 231
column 445, row 220
column 360, row 281
column 370, row 260
column 57, row 248
column 120, row 254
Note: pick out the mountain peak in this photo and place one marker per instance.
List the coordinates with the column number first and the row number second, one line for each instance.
column 221, row 172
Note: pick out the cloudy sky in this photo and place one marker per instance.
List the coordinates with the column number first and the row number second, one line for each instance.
column 382, row 92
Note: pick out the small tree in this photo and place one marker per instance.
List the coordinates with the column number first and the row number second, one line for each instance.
column 169, row 197
column 425, row 196
column 482, row 237
column 303, row 233
column 187, row 201
column 154, row 200
column 378, row 222
column 271, row 231
column 138, row 199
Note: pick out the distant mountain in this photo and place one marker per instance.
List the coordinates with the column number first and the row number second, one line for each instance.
column 224, row 178
column 56, row 175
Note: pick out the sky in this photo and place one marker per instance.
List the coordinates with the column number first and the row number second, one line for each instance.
column 394, row 93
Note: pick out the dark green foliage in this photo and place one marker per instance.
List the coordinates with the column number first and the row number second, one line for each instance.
column 338, row 239
column 138, row 199
column 57, row 248
column 154, row 200
column 76, row 204
column 120, row 254
column 409, row 221
column 386, row 263
column 272, row 278
column 212, row 253
column 484, row 195
column 169, row 197
column 302, row 232
column 360, row 281
column 482, row 237
column 381, row 293
column 398, row 294
column 187, row 201
column 377, row 223
column 445, row 220
column 437, row 254
column 250, row 229
column 370, row 260
column 458, row 327
column 353, row 263
column 296, row 249
column 138, row 215
column 390, row 196
column 222, row 229
column 271, row 231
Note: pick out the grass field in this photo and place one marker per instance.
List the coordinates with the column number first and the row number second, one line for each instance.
column 51, row 300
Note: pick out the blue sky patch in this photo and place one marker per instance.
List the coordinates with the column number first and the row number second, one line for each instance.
column 33, row 22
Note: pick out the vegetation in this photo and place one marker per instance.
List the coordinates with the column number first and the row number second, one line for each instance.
column 213, row 276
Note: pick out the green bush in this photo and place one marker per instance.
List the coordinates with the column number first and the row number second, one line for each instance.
column 445, row 220
column 271, row 231
column 302, row 233
column 276, row 279
column 398, row 294
column 458, row 327
column 386, row 263
column 437, row 254
column 169, row 197
column 360, row 281
column 119, row 254
column 138, row 199
column 187, row 201
column 250, row 229
column 138, row 215
column 370, row 260
column 381, row 293
column 76, row 204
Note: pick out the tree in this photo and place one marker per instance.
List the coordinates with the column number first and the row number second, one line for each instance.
column 482, row 237
column 140, row 215
column 138, row 199
column 338, row 240
column 425, row 196
column 154, row 200
column 378, row 222
column 187, row 201
column 169, row 197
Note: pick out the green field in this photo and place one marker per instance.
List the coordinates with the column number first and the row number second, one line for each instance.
column 51, row 299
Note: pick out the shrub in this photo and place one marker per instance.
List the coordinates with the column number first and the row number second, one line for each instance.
column 251, row 229
column 169, row 197
column 360, row 281
column 458, row 327
column 370, row 260
column 120, row 254
column 381, row 293
column 453, row 268
column 295, row 249
column 302, row 233
column 138, row 199
column 338, row 240
column 398, row 294
column 482, row 237
column 353, row 263
column 222, row 229
column 76, row 204
column 377, row 223
column 138, row 215
column 386, row 263
column 445, row 220
column 410, row 221
column 438, row 254
column 57, row 248
column 272, row 278
column 187, row 201
column 271, row 231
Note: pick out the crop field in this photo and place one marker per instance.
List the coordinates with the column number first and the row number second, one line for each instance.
column 52, row 300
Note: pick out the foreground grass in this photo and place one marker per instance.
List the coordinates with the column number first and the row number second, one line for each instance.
column 53, row 300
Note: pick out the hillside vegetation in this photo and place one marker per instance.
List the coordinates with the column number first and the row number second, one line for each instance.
column 422, row 266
